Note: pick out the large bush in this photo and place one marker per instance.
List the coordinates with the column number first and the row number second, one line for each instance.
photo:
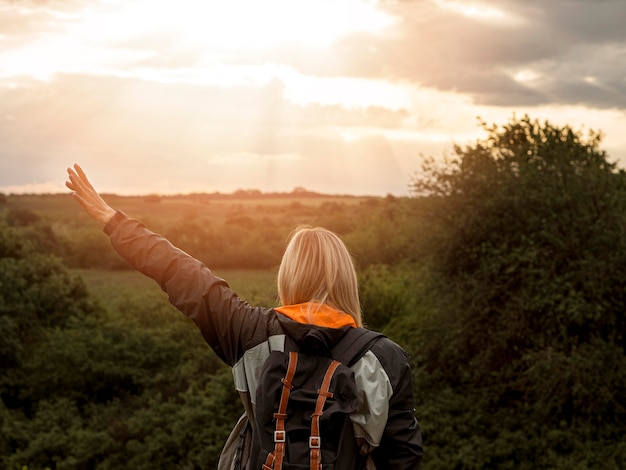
column 530, row 271
column 89, row 386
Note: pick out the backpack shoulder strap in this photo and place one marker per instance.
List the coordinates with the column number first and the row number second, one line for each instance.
column 354, row 344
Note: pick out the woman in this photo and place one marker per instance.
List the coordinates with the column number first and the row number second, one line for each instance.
column 318, row 292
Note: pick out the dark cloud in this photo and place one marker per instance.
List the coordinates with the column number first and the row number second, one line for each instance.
column 577, row 91
column 587, row 21
column 490, row 87
column 563, row 42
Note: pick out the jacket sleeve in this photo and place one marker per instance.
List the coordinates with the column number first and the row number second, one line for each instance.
column 226, row 322
column 401, row 444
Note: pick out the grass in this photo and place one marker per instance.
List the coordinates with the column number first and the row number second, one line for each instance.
column 258, row 287
column 63, row 207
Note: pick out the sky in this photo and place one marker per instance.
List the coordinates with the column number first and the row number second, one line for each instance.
column 335, row 96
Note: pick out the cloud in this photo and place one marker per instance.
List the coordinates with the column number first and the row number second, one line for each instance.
column 587, row 21
column 18, row 25
column 147, row 106
column 563, row 41
column 160, row 134
column 478, row 49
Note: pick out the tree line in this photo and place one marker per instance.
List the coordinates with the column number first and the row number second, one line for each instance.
column 503, row 275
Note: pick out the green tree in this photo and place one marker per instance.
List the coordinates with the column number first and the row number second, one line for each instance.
column 21, row 217
column 386, row 292
column 84, row 387
column 527, row 237
column 36, row 292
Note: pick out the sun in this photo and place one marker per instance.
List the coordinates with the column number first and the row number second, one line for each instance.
column 207, row 42
column 236, row 23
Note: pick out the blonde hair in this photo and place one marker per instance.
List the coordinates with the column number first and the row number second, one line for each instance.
column 317, row 267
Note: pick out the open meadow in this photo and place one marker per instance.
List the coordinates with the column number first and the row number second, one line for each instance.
column 214, row 207
column 111, row 288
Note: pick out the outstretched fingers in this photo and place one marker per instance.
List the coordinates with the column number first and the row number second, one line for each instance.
column 77, row 178
column 83, row 177
column 87, row 196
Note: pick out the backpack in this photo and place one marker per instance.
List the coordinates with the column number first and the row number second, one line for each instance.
column 305, row 396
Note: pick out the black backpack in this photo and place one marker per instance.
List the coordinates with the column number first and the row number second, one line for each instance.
column 303, row 404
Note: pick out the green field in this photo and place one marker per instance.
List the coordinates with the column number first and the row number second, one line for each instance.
column 216, row 208
column 258, row 287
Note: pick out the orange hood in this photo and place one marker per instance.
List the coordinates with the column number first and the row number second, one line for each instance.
column 311, row 313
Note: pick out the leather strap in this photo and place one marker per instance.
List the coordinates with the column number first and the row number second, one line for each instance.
column 275, row 459
column 322, row 394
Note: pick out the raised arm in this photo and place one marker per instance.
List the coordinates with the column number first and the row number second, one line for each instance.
column 226, row 321
column 87, row 196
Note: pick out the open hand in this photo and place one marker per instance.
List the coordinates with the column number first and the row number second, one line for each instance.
column 87, row 196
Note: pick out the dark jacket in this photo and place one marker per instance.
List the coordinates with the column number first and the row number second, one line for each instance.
column 243, row 336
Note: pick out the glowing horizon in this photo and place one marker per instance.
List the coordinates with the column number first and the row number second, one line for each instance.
column 331, row 95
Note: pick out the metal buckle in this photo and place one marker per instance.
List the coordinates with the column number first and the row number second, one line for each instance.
column 279, row 436
column 315, row 442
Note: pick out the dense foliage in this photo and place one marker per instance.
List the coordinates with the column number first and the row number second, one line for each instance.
column 83, row 387
column 525, row 347
column 504, row 276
